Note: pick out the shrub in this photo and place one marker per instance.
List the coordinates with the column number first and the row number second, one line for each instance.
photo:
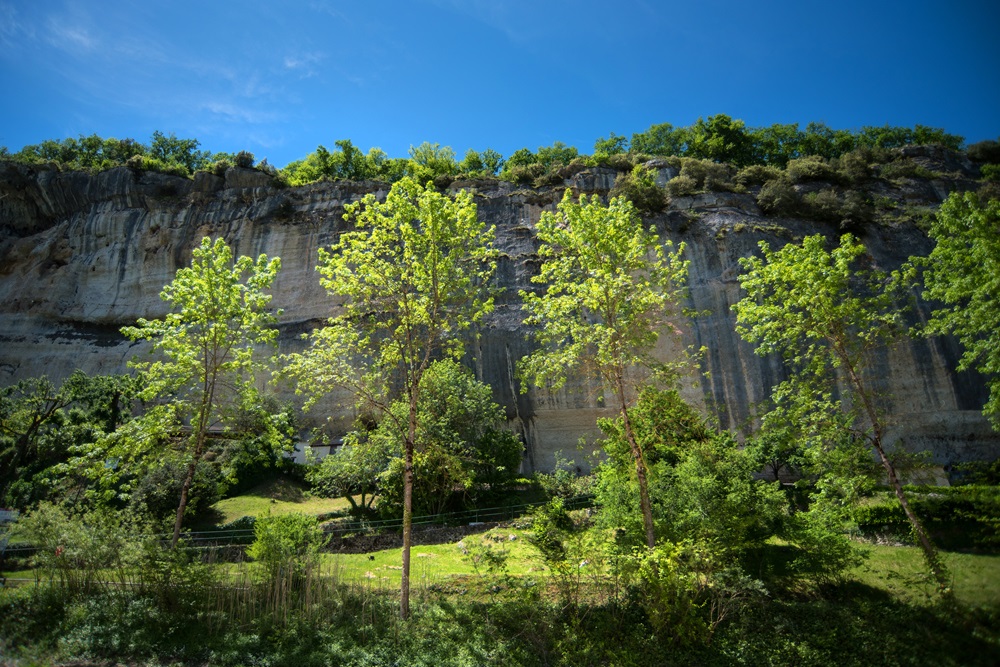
column 244, row 160
column 639, row 186
column 220, row 167
column 681, row 186
column 985, row 151
column 778, row 197
column 523, row 174
column 287, row 545
column 990, row 172
column 756, row 174
column 811, row 168
column 904, row 168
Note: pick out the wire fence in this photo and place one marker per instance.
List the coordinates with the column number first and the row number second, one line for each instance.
column 347, row 527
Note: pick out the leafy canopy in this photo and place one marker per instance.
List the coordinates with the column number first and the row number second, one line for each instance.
column 963, row 273
column 204, row 373
column 611, row 287
column 414, row 278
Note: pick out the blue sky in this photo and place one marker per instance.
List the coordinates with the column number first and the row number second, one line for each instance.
column 278, row 78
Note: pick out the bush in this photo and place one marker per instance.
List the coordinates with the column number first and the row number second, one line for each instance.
column 985, row 151
column 904, row 168
column 812, row 168
column 287, row 545
column 220, row 167
column 244, row 160
column 990, row 172
column 639, row 186
column 681, row 186
column 975, row 509
column 778, row 197
column 756, row 174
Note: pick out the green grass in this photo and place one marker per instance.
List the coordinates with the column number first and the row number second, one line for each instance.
column 901, row 572
column 280, row 495
column 434, row 563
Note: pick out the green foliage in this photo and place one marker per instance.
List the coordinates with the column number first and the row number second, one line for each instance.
column 971, row 512
column 613, row 145
column 639, row 187
column 812, row 168
column 963, row 273
column 779, row 197
column 287, row 545
column 462, row 444
column 990, row 172
column 985, row 151
column 599, row 261
column 701, row 484
column 720, row 139
column 346, row 162
column 430, row 161
column 686, row 593
column 170, row 150
column 825, row 316
column 244, row 160
column 42, row 426
column 423, row 263
column 611, row 288
column 205, row 375
column 353, row 469
column 756, row 174
column 483, row 165
column 72, row 552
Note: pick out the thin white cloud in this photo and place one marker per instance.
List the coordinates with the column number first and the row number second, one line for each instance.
column 70, row 36
column 11, row 27
column 305, row 63
column 501, row 15
column 238, row 113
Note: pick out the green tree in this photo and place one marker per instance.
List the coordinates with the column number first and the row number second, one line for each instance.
column 428, row 161
column 611, row 287
column 721, row 139
column 963, row 273
column 353, row 470
column 662, row 139
column 183, row 152
column 462, row 443
column 41, row 424
column 414, row 277
column 825, row 313
column 206, row 344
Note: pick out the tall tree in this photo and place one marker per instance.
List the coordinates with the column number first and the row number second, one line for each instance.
column 206, row 344
column 826, row 313
column 963, row 273
column 414, row 277
column 611, row 288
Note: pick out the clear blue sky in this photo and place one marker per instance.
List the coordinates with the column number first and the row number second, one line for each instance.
column 278, row 78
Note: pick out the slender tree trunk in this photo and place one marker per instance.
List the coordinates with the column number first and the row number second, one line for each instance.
column 404, row 584
column 188, row 479
column 208, row 397
column 931, row 556
column 640, row 470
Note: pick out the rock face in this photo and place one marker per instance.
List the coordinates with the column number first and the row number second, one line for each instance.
column 82, row 255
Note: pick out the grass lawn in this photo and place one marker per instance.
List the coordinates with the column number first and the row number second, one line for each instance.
column 901, row 572
column 433, row 563
column 280, row 495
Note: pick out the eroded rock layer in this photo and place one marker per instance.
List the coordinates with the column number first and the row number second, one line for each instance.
column 82, row 255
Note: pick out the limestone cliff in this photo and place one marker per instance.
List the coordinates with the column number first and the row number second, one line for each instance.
column 82, row 255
